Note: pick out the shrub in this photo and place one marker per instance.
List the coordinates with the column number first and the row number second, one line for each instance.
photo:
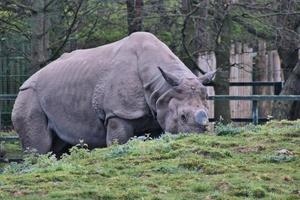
column 227, row 129
column 230, row 129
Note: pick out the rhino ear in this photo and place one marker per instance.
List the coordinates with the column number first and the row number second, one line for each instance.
column 170, row 78
column 208, row 77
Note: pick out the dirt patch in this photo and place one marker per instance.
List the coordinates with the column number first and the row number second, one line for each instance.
column 256, row 149
column 223, row 186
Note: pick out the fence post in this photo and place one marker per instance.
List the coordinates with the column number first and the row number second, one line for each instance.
column 278, row 87
column 254, row 112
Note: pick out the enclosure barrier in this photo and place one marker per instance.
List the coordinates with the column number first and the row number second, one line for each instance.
column 6, row 97
column 277, row 87
column 254, row 98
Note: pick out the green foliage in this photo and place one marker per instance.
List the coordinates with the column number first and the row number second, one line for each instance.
column 259, row 193
column 231, row 129
column 227, row 129
column 31, row 162
column 280, row 158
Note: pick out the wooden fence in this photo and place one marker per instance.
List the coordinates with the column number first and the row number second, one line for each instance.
column 254, row 117
column 255, row 99
column 247, row 66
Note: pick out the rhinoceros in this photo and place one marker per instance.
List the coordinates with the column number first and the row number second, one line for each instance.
column 109, row 94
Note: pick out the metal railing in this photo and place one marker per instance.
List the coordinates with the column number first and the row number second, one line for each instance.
column 255, row 99
column 278, row 85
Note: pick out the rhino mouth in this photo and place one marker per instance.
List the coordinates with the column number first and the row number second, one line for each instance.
column 203, row 128
column 197, row 129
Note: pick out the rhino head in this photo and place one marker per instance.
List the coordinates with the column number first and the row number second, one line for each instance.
column 184, row 107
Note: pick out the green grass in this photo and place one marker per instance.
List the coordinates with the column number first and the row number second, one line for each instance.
column 243, row 164
column 11, row 149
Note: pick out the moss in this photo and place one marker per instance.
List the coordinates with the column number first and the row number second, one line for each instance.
column 258, row 193
column 201, row 187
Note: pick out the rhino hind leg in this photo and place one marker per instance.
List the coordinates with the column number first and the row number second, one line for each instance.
column 118, row 131
column 59, row 147
column 30, row 122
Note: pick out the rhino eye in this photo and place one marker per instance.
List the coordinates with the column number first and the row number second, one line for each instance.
column 183, row 118
column 204, row 96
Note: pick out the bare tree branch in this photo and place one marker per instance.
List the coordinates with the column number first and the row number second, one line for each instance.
column 17, row 28
column 252, row 30
column 12, row 4
column 183, row 35
column 68, row 32
column 48, row 5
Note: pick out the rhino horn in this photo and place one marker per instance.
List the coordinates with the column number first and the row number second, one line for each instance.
column 208, row 77
column 170, row 78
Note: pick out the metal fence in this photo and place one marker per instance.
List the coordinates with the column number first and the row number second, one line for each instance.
column 13, row 72
column 253, row 98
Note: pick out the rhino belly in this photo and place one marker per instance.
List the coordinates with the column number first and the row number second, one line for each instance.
column 73, row 122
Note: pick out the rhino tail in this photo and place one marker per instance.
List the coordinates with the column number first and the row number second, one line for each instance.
column 30, row 83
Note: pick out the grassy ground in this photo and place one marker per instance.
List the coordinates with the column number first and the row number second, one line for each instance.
column 241, row 163
column 9, row 149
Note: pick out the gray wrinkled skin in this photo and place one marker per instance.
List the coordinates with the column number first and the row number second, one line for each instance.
column 109, row 93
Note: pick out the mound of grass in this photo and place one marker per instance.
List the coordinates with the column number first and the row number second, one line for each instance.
column 253, row 163
column 9, row 149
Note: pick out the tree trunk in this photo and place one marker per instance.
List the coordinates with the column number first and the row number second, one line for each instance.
column 288, row 41
column 40, row 36
column 289, row 109
column 202, row 40
column 288, row 49
column 222, row 108
column 289, row 58
column 185, row 6
column 134, row 15
column 261, row 74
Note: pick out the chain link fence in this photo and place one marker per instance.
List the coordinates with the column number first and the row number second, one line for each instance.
column 14, row 66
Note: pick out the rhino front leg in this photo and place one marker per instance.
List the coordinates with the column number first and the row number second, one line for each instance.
column 118, row 131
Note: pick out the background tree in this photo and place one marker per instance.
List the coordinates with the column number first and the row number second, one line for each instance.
column 40, row 31
column 135, row 16
column 288, row 44
column 276, row 22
